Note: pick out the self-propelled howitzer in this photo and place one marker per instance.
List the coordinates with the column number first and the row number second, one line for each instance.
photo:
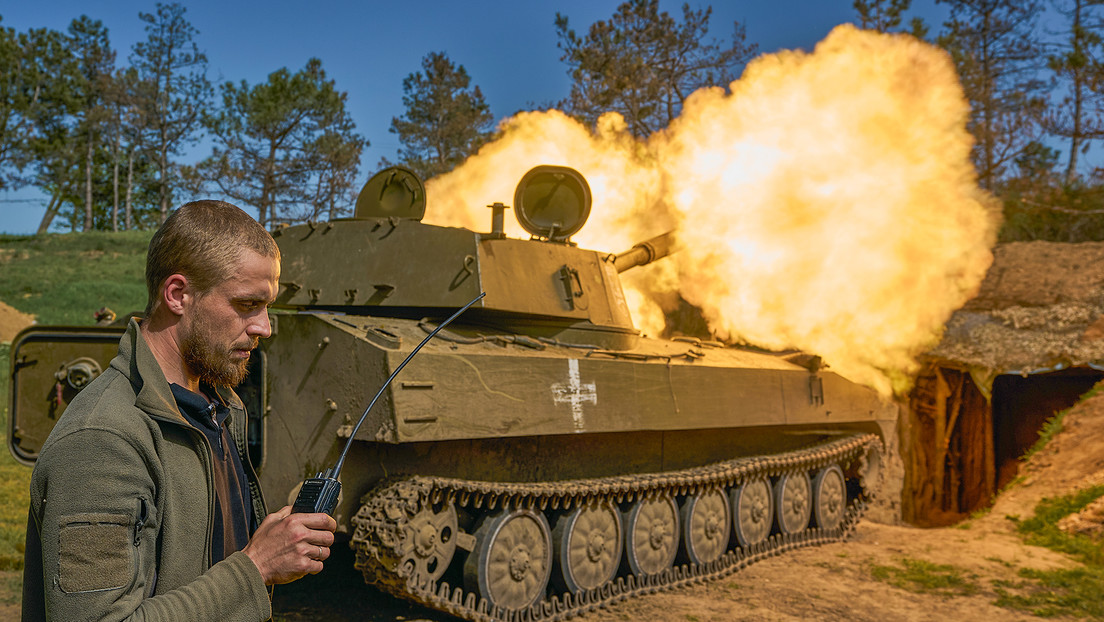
column 539, row 457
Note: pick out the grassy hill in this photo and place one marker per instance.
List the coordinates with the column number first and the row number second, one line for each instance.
column 61, row 279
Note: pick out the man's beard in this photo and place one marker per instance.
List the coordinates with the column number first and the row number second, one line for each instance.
column 213, row 366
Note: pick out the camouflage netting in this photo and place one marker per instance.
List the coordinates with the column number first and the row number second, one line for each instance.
column 1040, row 308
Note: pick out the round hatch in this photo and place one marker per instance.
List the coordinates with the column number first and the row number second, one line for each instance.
column 552, row 202
column 394, row 191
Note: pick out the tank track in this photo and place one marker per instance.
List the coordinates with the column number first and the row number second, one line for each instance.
column 379, row 527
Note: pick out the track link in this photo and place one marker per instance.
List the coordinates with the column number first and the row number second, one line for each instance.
column 381, row 538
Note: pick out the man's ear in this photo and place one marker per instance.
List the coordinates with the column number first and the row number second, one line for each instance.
column 176, row 293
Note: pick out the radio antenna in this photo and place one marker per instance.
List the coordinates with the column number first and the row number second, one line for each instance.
column 319, row 493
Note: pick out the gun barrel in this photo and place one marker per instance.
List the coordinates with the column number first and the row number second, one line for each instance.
column 646, row 252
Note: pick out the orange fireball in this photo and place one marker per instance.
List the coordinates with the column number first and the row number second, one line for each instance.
column 826, row 202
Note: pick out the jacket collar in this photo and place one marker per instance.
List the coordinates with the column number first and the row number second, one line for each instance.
column 137, row 362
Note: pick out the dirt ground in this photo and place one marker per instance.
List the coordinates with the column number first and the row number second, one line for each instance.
column 1039, row 274
column 12, row 321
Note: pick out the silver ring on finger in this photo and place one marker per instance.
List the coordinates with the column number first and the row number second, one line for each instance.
column 319, row 553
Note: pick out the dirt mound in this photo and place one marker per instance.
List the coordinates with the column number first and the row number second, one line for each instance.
column 12, row 321
column 1040, row 274
column 1040, row 307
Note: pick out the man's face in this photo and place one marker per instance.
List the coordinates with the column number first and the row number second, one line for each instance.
column 225, row 323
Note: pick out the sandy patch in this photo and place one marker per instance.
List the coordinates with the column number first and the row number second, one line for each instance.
column 12, row 321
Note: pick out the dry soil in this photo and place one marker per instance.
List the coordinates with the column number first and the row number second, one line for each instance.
column 12, row 321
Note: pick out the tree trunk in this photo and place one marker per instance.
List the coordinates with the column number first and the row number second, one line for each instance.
column 88, row 186
column 51, row 211
column 263, row 215
column 115, row 183
column 319, row 203
column 987, row 134
column 129, row 189
column 164, row 165
column 1078, row 93
column 163, row 144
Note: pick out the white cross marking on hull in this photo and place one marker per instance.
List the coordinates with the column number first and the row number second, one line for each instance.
column 575, row 393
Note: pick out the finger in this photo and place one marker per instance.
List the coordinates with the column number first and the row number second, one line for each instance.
column 319, row 521
column 282, row 513
column 323, row 538
column 310, row 527
column 313, row 551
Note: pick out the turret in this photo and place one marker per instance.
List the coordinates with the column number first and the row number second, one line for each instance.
column 385, row 261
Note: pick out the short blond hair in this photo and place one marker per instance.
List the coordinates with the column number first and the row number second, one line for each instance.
column 203, row 240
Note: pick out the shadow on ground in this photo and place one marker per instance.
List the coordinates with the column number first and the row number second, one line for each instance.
column 339, row 594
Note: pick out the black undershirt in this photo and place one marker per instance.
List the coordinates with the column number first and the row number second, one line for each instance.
column 233, row 504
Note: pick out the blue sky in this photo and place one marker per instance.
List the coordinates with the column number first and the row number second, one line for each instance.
column 368, row 47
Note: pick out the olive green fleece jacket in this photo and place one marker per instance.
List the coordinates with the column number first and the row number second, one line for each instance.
column 123, row 500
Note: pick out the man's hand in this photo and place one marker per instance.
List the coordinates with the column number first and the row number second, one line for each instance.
column 287, row 546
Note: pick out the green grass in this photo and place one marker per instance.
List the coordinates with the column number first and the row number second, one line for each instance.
column 64, row 278
column 15, row 480
column 61, row 279
column 1065, row 592
column 923, row 577
column 1051, row 428
column 11, row 587
column 1074, row 592
column 1042, row 528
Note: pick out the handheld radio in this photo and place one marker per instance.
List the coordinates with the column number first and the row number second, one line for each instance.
column 319, row 493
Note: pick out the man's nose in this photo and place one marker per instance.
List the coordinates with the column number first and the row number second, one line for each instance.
column 261, row 326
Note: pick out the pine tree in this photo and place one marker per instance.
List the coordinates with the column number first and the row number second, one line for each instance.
column 286, row 147
column 176, row 91
column 643, row 63
column 446, row 118
column 1079, row 116
column 995, row 48
column 881, row 15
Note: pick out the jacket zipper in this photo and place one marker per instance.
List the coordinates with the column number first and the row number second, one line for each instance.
column 140, row 522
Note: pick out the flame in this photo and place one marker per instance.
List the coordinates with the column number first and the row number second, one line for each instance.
column 827, row 203
column 610, row 160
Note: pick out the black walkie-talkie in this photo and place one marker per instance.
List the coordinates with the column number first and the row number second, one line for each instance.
column 319, row 493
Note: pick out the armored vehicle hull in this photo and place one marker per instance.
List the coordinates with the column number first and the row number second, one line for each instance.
column 499, row 410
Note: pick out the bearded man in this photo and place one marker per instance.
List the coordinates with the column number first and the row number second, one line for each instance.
column 143, row 501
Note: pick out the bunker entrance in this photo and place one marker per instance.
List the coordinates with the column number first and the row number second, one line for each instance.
column 960, row 449
column 1022, row 405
